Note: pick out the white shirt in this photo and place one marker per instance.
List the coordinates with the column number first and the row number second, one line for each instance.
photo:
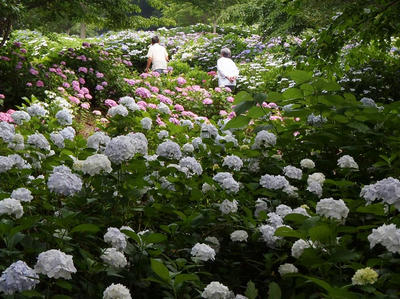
column 158, row 55
column 226, row 68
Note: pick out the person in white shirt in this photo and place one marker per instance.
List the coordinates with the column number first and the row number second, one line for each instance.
column 157, row 56
column 227, row 70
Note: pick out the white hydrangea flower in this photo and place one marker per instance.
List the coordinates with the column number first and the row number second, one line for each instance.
column 116, row 238
column 261, row 205
column 198, row 143
column 228, row 206
column 161, row 107
column 7, row 131
column 114, row 258
column 301, row 211
column 163, row 134
column 293, row 172
column 96, row 164
column 283, row 210
column 68, row 133
column 6, row 163
column 213, row 242
column 39, row 141
column 146, row 123
column 268, row 234
column 98, row 141
column 298, row 248
column 203, row 252
column 188, row 148
column 233, row 162
column 22, row 194
column 274, row 182
column 118, row 110
column 274, row 219
column 64, row 117
column 316, row 177
column 170, row 150
column 37, row 110
column 20, row 117
column 208, row 131
column 387, row 189
column 291, row 191
column 129, row 103
column 19, row 162
column 57, row 139
column 221, row 176
column 191, row 166
column 264, row 139
column 315, row 187
column 316, row 119
column 230, row 185
column 117, row 291
column 388, row 235
column 330, row 208
column 186, row 123
column 140, row 142
column 347, row 161
column 55, row 264
column 120, row 149
column 207, row 188
column 17, row 142
column 216, row 290
column 18, row 277
column 64, row 182
column 239, row 236
column 364, row 276
column 307, row 163
column 11, row 206
column 287, row 269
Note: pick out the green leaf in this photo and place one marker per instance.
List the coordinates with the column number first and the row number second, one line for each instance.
column 238, row 122
column 287, row 232
column 61, row 297
column 185, row 277
column 160, row 269
column 242, row 96
column 274, row 96
column 87, row 228
column 292, row 93
column 256, row 112
column 243, row 107
column 375, row 209
column 321, row 233
column 251, row 290
column 359, row 127
column 132, row 235
column 300, row 76
column 274, row 291
column 154, row 238
column 63, row 284
column 32, row 294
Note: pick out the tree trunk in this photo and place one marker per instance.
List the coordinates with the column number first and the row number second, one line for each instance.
column 83, row 30
column 5, row 31
column 68, row 31
column 214, row 25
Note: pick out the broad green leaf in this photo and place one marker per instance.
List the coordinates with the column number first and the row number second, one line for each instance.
column 160, row 269
column 274, row 96
column 242, row 96
column 287, row 232
column 255, row 112
column 63, row 284
column 132, row 235
column 154, row 238
column 359, row 126
column 185, row 277
column 243, row 107
column 300, row 76
column 87, row 228
column 32, row 294
column 292, row 93
column 251, row 290
column 274, row 291
column 322, row 233
column 375, row 209
column 238, row 122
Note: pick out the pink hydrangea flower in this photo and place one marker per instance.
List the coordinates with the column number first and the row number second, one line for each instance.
column 155, row 74
column 296, row 133
column 174, row 120
column 218, row 89
column 160, row 122
column 39, row 83
column 6, row 117
column 181, row 81
column 179, row 108
column 84, row 90
column 99, row 87
column 66, row 85
column 228, row 89
column 99, row 75
column 207, row 101
column 104, row 83
column 154, row 89
column 10, row 111
column 144, row 75
column 61, row 89
column 85, row 106
column 82, row 81
column 88, row 96
column 33, row 71
column 74, row 100
column 29, row 84
column 273, row 105
column 223, row 113
column 152, row 106
column 2, row 96
column 230, row 99
column 104, row 120
column 82, row 69
column 80, row 95
column 231, row 115
column 143, row 92
column 142, row 105
column 96, row 112
column 297, row 119
column 110, row 103
column 164, row 99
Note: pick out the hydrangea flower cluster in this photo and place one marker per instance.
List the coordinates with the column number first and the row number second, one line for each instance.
column 64, row 182
column 347, row 161
column 18, row 277
column 388, row 235
column 364, row 276
column 203, row 252
column 117, row 291
column 388, row 190
column 331, row 208
column 55, row 264
column 216, row 290
column 264, row 139
column 114, row 258
column 116, row 238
